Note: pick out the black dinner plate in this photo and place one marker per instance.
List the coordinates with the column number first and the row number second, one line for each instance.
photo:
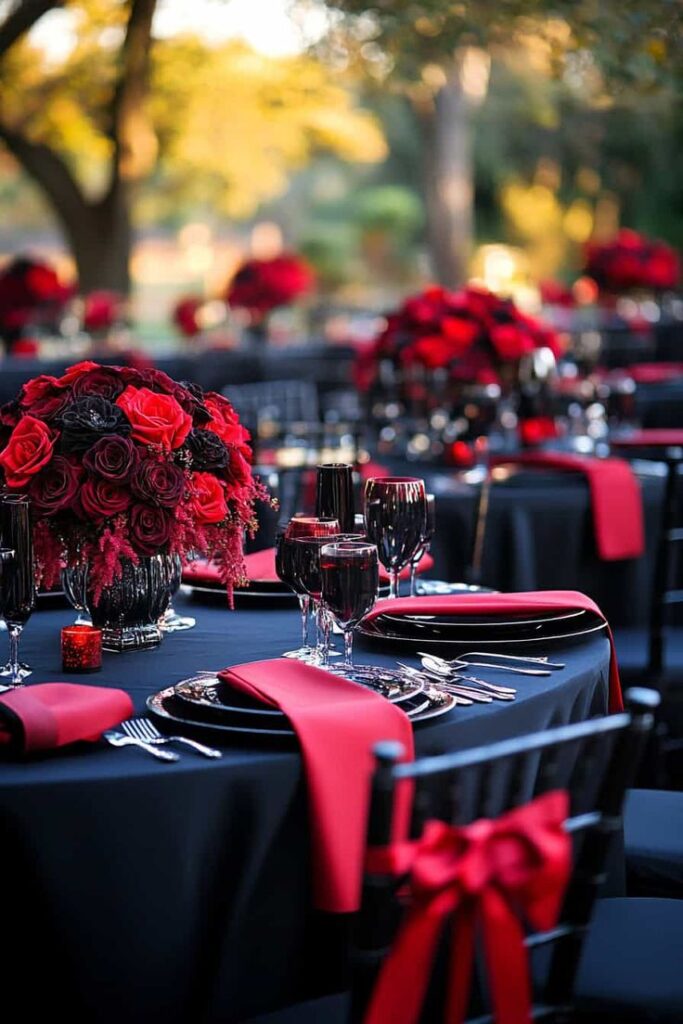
column 172, row 713
column 551, row 632
column 451, row 627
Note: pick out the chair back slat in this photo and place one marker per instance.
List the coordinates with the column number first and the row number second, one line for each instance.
column 594, row 761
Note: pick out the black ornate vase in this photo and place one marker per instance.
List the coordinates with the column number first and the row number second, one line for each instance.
column 129, row 610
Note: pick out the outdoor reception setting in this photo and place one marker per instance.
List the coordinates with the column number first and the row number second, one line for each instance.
column 341, row 511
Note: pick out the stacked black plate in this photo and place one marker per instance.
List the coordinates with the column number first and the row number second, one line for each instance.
column 205, row 705
column 494, row 632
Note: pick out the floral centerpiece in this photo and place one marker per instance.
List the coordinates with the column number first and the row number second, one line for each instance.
column 470, row 336
column 31, row 294
column 632, row 262
column 262, row 285
column 123, row 464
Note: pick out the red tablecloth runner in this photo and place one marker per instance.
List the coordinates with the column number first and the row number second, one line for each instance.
column 502, row 604
column 337, row 723
column 616, row 500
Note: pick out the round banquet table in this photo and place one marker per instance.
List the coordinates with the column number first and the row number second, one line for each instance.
column 136, row 890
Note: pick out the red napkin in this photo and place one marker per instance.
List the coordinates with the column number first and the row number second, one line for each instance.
column 261, row 567
column 615, row 498
column 653, row 373
column 653, row 438
column 502, row 604
column 49, row 715
column 337, row 723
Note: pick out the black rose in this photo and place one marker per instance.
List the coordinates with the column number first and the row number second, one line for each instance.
column 207, row 450
column 159, row 483
column 86, row 420
column 193, row 402
column 104, row 381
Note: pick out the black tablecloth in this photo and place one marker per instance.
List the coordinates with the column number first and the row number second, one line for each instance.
column 139, row 891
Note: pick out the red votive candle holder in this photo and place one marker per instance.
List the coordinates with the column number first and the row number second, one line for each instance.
column 81, row 649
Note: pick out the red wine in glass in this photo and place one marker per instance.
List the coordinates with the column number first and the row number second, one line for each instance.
column 285, row 553
column 395, row 516
column 430, row 526
column 350, row 581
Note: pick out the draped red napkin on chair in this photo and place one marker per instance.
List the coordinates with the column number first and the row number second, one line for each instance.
column 504, row 604
column 486, row 875
column 616, row 500
column 261, row 567
column 48, row 715
column 337, row 723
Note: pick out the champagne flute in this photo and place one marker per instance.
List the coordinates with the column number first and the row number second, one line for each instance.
column 430, row 525
column 17, row 586
column 285, row 552
column 349, row 573
column 395, row 516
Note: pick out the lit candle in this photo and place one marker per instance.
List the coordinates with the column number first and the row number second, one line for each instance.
column 81, row 649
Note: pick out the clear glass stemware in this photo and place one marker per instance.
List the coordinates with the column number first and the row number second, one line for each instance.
column 17, row 585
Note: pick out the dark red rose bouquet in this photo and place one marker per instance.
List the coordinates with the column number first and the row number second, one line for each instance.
column 31, row 293
column 260, row 286
column 120, row 463
column 473, row 334
column 102, row 309
column 630, row 262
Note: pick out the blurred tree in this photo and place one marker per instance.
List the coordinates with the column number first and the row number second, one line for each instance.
column 219, row 127
column 439, row 55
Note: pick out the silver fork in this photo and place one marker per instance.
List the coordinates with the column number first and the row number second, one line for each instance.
column 120, row 739
column 144, row 729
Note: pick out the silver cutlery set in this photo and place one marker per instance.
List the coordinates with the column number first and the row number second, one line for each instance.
column 441, row 683
column 441, row 676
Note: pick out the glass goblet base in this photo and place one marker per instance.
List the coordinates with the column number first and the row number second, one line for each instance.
column 7, row 671
column 171, row 622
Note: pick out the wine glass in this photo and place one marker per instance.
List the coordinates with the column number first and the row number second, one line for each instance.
column 17, row 586
column 285, row 552
column 395, row 516
column 306, row 567
column 349, row 573
column 430, row 525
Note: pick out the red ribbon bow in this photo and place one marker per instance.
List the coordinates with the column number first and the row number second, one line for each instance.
column 489, row 873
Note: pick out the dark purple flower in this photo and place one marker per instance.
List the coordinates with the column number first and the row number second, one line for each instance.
column 150, row 529
column 112, row 457
column 159, row 483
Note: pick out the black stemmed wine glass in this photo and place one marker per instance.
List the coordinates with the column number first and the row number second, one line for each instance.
column 395, row 516
column 430, row 526
column 349, row 572
column 285, row 568
column 17, row 586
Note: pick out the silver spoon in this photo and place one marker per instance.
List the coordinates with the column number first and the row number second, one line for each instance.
column 458, row 663
column 431, row 664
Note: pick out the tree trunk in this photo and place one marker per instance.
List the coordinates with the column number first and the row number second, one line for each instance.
column 101, row 245
column 446, row 124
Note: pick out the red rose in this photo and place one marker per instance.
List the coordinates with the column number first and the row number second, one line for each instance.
column 150, row 529
column 536, row 429
column 224, row 420
column 101, row 309
column 43, row 398
column 29, row 449
column 156, row 419
column 104, row 381
column 185, row 316
column 238, row 470
column 56, row 486
column 101, row 498
column 207, row 499
column 72, row 373
column 511, row 341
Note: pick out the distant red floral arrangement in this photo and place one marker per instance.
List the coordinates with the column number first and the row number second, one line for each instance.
column 262, row 285
column 30, row 293
column 121, row 463
column 471, row 334
column 632, row 261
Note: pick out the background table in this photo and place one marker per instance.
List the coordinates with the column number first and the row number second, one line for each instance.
column 138, row 891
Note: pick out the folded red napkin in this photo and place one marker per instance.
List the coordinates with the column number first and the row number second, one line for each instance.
column 261, row 567
column 615, row 498
column 48, row 715
column 654, row 373
column 653, row 438
column 503, row 604
column 337, row 723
